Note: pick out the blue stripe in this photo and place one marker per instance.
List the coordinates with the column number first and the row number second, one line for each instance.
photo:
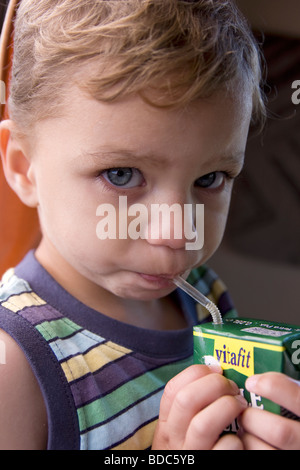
column 14, row 286
column 80, row 343
column 117, row 430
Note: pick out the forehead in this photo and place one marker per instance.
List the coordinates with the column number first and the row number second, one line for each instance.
column 87, row 125
column 80, row 106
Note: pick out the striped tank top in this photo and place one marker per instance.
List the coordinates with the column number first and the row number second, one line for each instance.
column 101, row 379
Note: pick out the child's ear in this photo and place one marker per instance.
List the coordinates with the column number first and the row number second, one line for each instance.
column 17, row 166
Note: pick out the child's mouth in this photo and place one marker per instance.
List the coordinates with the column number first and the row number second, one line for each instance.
column 162, row 281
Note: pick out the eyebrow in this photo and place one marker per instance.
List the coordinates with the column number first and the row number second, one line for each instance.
column 127, row 157
column 231, row 159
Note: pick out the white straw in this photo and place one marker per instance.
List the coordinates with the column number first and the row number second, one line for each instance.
column 204, row 301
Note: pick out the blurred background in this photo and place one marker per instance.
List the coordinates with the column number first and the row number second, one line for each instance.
column 3, row 4
column 259, row 259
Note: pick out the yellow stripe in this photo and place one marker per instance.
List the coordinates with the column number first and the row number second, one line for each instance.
column 202, row 312
column 142, row 439
column 93, row 360
column 216, row 290
column 18, row 302
column 254, row 344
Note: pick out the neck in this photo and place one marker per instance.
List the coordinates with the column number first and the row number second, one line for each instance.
column 156, row 314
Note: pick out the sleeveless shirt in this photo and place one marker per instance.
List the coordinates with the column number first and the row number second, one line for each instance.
column 101, row 379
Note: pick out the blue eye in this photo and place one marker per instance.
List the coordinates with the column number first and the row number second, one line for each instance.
column 211, row 180
column 124, row 177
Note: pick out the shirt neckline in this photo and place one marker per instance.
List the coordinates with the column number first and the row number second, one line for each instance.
column 153, row 343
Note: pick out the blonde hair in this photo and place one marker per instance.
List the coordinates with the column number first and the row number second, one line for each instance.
column 182, row 50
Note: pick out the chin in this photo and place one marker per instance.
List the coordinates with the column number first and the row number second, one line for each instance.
column 132, row 293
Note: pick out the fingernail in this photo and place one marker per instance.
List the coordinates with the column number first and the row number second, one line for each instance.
column 234, row 386
column 216, row 368
column 241, row 400
column 251, row 383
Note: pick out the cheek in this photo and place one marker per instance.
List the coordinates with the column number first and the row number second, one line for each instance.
column 65, row 215
column 215, row 218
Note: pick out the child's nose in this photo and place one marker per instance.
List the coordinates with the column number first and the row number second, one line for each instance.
column 171, row 225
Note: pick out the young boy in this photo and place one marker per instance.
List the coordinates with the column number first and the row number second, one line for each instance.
column 117, row 107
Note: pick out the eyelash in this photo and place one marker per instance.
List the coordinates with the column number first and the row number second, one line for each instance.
column 227, row 176
column 109, row 186
column 215, row 175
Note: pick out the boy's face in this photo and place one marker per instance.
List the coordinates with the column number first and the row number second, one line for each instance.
column 98, row 152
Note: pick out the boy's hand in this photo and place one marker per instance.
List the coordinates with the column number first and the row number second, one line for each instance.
column 197, row 405
column 264, row 430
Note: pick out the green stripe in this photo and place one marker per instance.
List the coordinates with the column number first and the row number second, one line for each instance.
column 197, row 274
column 126, row 395
column 57, row 328
column 231, row 314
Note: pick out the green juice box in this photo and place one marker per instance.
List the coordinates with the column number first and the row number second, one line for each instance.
column 244, row 347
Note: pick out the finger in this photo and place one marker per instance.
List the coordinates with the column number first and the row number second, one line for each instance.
column 275, row 430
column 193, row 398
column 181, row 380
column 251, row 442
column 277, row 387
column 206, row 427
column 229, row 442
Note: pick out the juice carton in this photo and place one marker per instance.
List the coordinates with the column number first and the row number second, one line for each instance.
column 244, row 347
